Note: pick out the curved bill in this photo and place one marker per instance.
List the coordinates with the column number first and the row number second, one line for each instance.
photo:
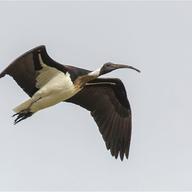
column 118, row 66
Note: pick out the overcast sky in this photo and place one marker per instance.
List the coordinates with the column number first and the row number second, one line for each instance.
column 61, row 147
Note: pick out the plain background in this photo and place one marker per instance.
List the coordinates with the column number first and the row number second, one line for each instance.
column 61, row 148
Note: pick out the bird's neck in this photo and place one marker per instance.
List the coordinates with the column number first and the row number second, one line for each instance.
column 95, row 73
column 82, row 80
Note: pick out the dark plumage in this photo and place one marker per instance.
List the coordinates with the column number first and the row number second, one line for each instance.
column 106, row 99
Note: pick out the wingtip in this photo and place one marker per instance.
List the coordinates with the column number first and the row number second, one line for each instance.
column 122, row 156
column 1, row 75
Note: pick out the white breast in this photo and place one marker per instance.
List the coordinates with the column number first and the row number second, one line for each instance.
column 54, row 87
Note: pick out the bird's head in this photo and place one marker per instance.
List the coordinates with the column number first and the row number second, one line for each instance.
column 108, row 67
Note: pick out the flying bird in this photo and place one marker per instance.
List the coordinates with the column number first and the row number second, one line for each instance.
column 48, row 82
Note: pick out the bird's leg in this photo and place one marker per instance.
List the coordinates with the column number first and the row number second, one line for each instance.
column 25, row 113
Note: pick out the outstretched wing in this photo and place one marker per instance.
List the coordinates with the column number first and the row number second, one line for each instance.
column 107, row 101
column 33, row 69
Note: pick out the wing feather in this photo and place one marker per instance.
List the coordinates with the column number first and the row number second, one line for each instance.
column 111, row 110
column 28, row 71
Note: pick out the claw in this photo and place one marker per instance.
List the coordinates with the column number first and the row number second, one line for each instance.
column 21, row 116
column 15, row 114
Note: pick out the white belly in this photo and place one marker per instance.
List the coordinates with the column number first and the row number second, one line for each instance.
column 56, row 90
column 54, row 86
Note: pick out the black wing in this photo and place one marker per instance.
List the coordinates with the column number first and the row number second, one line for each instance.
column 107, row 101
column 24, row 69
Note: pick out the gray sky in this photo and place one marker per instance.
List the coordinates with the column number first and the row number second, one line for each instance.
column 61, row 147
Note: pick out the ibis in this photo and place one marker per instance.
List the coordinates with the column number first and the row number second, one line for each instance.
column 48, row 82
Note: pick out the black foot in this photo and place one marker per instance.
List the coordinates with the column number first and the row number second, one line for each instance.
column 21, row 116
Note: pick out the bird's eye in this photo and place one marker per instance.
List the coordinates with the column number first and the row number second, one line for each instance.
column 107, row 64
